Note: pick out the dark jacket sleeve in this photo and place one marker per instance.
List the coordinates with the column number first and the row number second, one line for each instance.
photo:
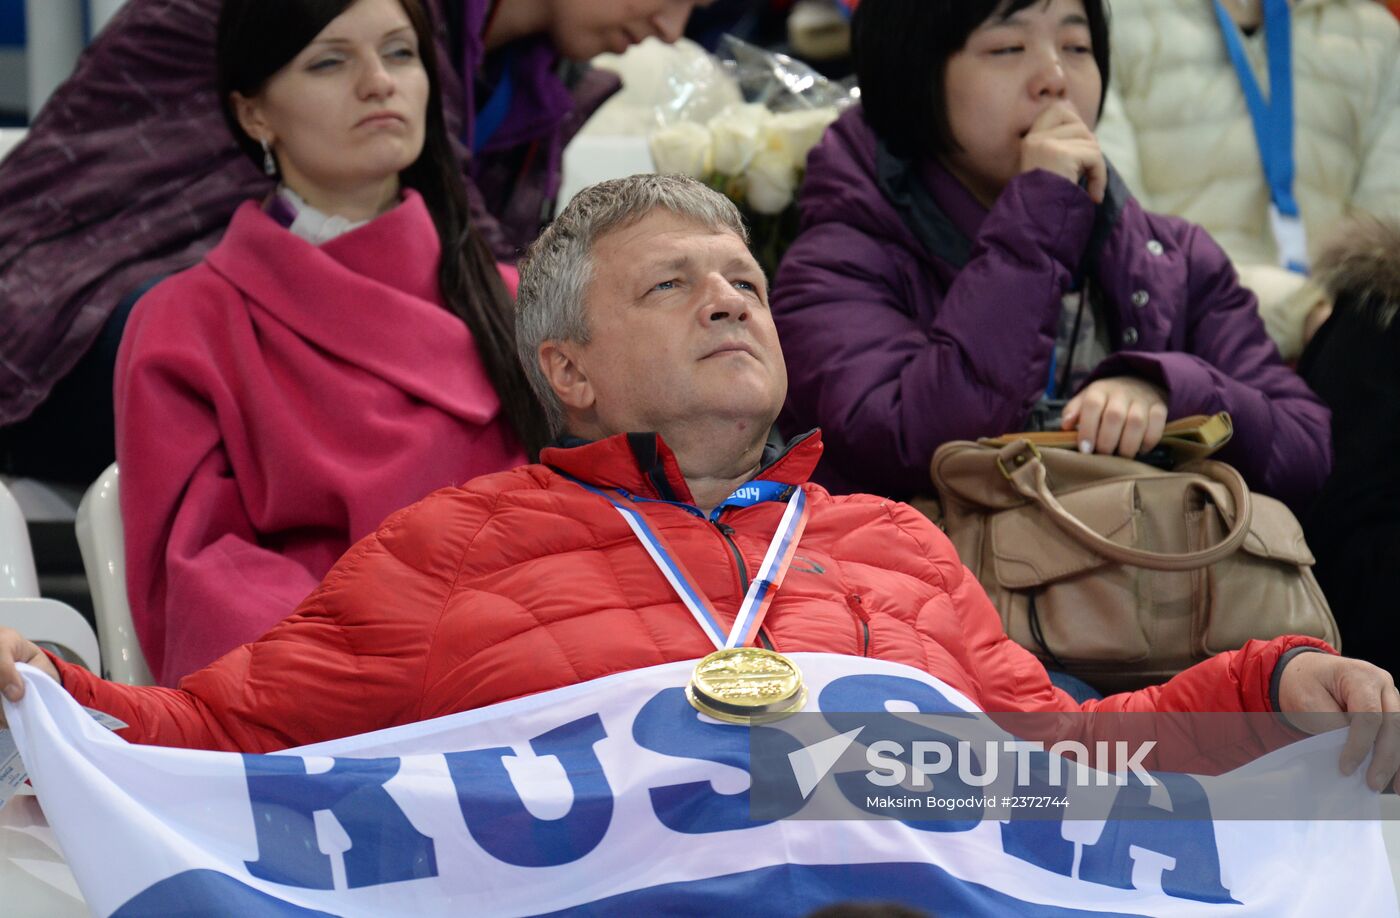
column 887, row 388
column 1282, row 442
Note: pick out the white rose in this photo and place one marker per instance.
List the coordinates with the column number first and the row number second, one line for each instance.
column 772, row 179
column 683, row 148
column 738, row 133
column 794, row 134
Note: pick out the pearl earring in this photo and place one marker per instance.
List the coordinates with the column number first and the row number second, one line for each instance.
column 269, row 161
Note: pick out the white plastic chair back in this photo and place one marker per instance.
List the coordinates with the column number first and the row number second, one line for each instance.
column 103, row 546
column 18, row 579
column 9, row 139
column 48, row 621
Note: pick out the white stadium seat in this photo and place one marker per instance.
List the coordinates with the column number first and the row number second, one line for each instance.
column 103, row 547
column 46, row 621
column 18, row 579
column 54, row 624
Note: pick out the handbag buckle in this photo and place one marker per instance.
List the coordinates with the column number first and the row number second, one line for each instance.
column 1020, row 452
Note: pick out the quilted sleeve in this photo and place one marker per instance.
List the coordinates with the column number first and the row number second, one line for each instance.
column 350, row 660
column 1283, row 442
column 1378, row 181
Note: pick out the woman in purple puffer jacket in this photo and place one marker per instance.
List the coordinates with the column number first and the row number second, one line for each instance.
column 969, row 265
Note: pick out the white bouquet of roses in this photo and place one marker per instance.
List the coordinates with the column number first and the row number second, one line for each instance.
column 748, row 151
column 756, row 152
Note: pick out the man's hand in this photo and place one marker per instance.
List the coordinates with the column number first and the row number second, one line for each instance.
column 1320, row 683
column 1121, row 414
column 15, row 649
column 1060, row 142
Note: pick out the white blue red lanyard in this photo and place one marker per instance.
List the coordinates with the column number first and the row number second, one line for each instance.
column 770, row 573
column 1273, row 124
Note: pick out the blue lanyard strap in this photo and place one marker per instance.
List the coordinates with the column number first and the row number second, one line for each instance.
column 757, row 491
column 1273, row 119
column 493, row 113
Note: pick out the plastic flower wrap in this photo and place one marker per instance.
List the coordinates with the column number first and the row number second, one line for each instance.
column 662, row 84
column 755, row 152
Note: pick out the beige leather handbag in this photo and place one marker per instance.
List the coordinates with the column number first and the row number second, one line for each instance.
column 1120, row 572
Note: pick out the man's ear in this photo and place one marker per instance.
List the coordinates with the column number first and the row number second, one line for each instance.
column 250, row 117
column 560, row 365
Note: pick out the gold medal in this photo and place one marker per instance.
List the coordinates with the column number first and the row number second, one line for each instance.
column 741, row 685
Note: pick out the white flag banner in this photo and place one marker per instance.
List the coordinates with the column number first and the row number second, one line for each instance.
column 616, row 797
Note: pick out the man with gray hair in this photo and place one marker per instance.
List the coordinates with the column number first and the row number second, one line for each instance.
column 662, row 528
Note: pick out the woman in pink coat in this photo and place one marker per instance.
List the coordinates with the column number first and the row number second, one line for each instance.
column 345, row 350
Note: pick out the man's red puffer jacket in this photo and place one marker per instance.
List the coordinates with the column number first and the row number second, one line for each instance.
column 523, row 581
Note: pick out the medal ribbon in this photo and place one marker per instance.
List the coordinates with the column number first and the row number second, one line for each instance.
column 762, row 588
column 1273, row 124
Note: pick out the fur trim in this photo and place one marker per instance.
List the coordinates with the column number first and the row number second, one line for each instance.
column 1360, row 269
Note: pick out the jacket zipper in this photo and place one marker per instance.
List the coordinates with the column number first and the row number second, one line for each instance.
column 854, row 604
column 725, row 532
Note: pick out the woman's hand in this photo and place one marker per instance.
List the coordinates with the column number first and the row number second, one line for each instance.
column 1121, row 414
column 14, row 648
column 1060, row 142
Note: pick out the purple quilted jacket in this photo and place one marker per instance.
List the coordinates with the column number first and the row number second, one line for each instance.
column 911, row 315
column 130, row 174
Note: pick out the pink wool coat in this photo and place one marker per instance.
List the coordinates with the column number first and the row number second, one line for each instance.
column 274, row 404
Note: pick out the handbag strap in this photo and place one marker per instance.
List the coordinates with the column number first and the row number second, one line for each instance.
column 1021, row 464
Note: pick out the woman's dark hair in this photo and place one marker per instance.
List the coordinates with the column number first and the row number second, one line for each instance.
column 901, row 50
column 256, row 39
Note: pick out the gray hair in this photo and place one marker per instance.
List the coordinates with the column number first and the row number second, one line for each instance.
column 556, row 271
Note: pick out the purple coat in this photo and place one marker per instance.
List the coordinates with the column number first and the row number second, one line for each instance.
column 129, row 173
column 910, row 316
